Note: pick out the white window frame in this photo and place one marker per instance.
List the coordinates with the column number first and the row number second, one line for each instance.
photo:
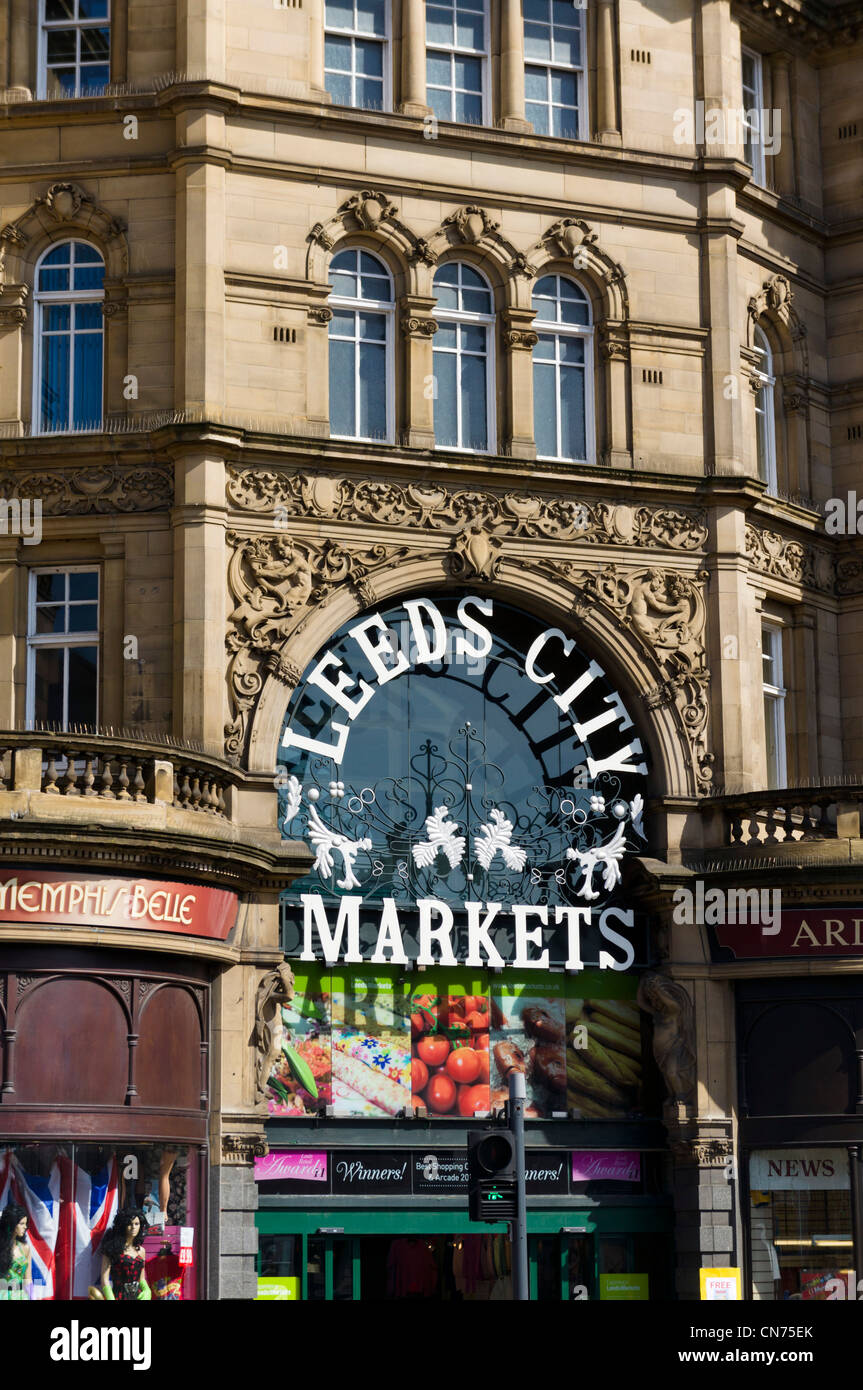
column 42, row 298
column 37, row 641
column 765, row 411
column 385, row 42
column 581, row 73
column 775, row 694
column 754, row 99
column 455, row 51
column 370, row 306
column 486, row 321
column 550, row 329
column 45, row 27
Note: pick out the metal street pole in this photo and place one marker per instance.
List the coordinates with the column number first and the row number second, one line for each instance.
column 518, row 1227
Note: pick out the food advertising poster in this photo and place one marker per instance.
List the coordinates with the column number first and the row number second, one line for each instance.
column 443, row 1044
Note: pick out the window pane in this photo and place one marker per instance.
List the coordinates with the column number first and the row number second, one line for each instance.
column 50, row 619
column 474, row 421
column 370, row 59
column 572, row 421
column 563, row 88
column 374, row 287
column 339, row 88
column 93, row 9
column 468, row 109
column 89, row 277
column 342, row 416
column 447, row 297
column 344, row 284
column 56, row 318
column 476, row 301
column 473, row 339
column 772, row 744
column 48, row 703
column 537, row 42
column 536, row 84
column 538, row 116
column 439, row 26
column 94, row 45
column 61, row 82
column 373, row 326
column 446, row 336
column 50, row 586
column 82, row 585
column 337, row 54
column 340, row 14
column 544, row 408
column 370, row 94
column 54, row 278
column 468, row 74
column 342, row 324
column 371, row 17
column 440, row 103
column 469, row 31
column 571, row 349
column 83, row 617
column 536, row 9
column 373, row 391
column 61, row 45
column 55, row 382
column 567, row 47
column 445, row 417
column 574, row 311
column 88, row 316
column 87, row 407
column 544, row 348
column 566, row 123
column 59, row 9
column 83, row 684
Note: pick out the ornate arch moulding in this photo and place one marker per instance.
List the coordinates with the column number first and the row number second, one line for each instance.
column 290, row 597
column 66, row 209
column 774, row 304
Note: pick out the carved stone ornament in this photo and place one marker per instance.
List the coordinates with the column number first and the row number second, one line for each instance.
column 470, row 224
column 274, row 989
column 319, row 313
column 103, row 488
column 703, row 1153
column 475, row 554
column 415, row 327
column 63, row 205
column 273, row 580
column 566, row 236
column 774, row 295
column 673, row 1033
column 849, row 575
column 243, row 1148
column 64, row 200
column 518, row 339
column 665, row 610
column 770, row 553
column 369, row 209
column 434, row 507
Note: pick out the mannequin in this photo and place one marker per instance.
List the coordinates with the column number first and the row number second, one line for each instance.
column 123, row 1258
column 16, row 1256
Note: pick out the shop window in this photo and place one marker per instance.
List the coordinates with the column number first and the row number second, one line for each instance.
column 73, row 1194
column 68, row 339
column 356, row 54
column 456, row 60
column 765, row 410
column 554, row 75
column 361, row 348
column 753, row 104
column 800, row 1223
column 774, row 705
column 799, row 1061
column 74, row 48
column 463, row 360
column 63, row 647
column 563, row 371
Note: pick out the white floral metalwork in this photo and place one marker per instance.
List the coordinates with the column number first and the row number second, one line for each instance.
column 608, row 855
column 328, row 842
column 443, row 837
column 495, row 838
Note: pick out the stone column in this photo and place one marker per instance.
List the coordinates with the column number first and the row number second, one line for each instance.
column 519, row 340
column 201, row 38
column 795, row 404
column 119, row 40
column 607, row 119
column 804, row 720
column 418, row 329
column 316, row 50
column 733, row 653
column 413, row 93
column 114, row 667
column 12, row 612
column 22, row 49
column 614, row 362
column 13, row 317
column 199, row 377
column 200, row 559
column 512, row 68
column 784, row 174
column 318, row 367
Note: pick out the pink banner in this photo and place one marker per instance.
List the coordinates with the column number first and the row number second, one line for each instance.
column 298, row 1167
column 605, row 1166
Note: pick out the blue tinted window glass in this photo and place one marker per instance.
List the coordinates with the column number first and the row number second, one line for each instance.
column 337, row 54
column 371, row 17
column 563, row 89
column 342, row 324
column 571, row 349
column 544, row 410
column 87, row 407
column 473, row 339
column 92, row 9
column 468, row 74
column 55, row 382
column 88, row 316
column 474, row 418
column 567, row 47
column 439, row 25
column 342, row 417
column 470, row 31
column 537, row 43
column 440, row 103
column 538, row 117
column 572, row 415
column 95, row 45
column 536, row 84
column 468, row 109
column 54, row 278
column 566, row 122
column 83, row 669
column 370, row 59
column 373, row 388
column 445, row 417
column 373, row 326
column 370, row 94
column 339, row 87
column 544, row 348
column 56, row 318
column 83, row 617
column 82, row 585
column 476, row 301
column 536, row 9
column 340, row 14
column 446, row 336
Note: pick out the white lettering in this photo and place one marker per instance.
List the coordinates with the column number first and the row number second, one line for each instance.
column 575, row 918
column 626, row 917
column 525, row 938
column 336, row 689
column 464, row 648
column 441, row 934
column 477, row 935
column 535, row 649
column 374, row 651
column 389, row 938
column 314, row 915
column 426, row 652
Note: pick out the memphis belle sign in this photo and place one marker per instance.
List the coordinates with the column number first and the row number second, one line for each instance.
column 89, row 900
column 492, row 930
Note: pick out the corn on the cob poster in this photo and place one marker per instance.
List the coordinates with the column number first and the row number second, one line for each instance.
column 444, row 1045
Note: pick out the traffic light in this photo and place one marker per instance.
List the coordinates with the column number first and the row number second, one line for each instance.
column 491, row 1176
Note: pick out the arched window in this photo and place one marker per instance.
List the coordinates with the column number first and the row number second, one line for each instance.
column 463, row 360
column 765, row 411
column 68, row 338
column 563, row 371
column 361, row 348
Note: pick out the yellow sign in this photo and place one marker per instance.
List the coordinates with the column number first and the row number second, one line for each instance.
column 623, row 1286
column 279, row 1288
column 720, row 1285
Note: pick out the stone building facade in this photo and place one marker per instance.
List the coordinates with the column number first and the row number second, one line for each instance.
column 237, row 513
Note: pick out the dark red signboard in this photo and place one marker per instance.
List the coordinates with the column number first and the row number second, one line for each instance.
column 91, row 900
column 804, row 931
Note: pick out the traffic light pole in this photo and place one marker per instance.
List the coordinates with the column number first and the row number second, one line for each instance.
column 518, row 1227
